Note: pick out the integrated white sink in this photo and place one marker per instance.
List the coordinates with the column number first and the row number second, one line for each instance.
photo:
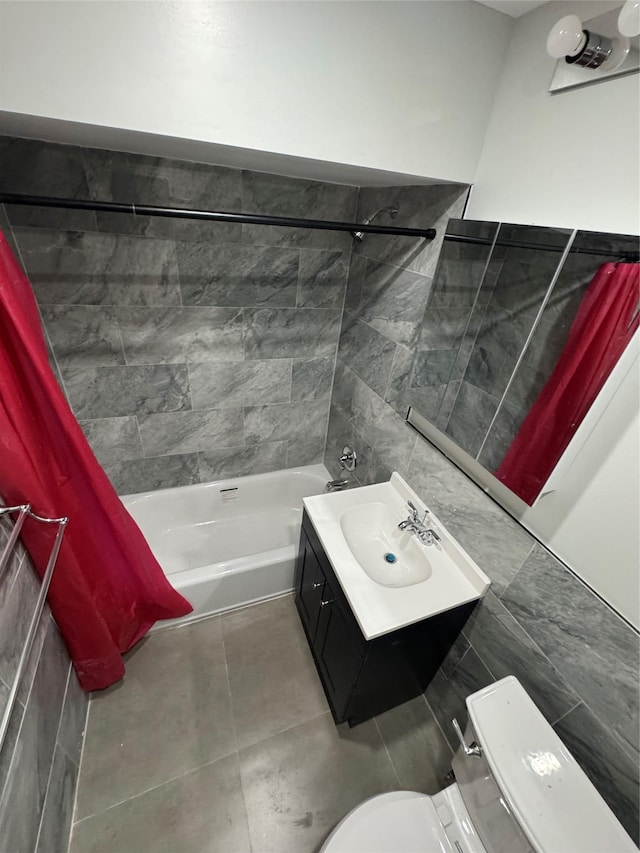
column 391, row 578
column 389, row 556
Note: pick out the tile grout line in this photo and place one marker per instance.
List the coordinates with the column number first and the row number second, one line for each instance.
column 226, row 669
column 53, row 756
column 566, row 713
column 153, row 788
column 25, row 706
column 39, row 307
column 437, row 722
column 79, row 778
column 285, row 730
column 205, row 764
column 335, row 357
column 235, row 731
column 474, row 304
column 532, row 330
column 386, row 749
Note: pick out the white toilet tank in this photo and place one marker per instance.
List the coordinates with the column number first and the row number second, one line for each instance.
column 526, row 792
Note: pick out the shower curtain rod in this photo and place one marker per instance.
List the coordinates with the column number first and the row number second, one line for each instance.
column 210, row 215
column 517, row 244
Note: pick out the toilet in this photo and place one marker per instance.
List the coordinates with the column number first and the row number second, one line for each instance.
column 518, row 789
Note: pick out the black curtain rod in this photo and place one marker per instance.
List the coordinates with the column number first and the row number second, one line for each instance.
column 210, row 215
column 516, row 244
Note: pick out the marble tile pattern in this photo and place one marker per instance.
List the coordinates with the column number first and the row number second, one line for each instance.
column 492, row 360
column 90, row 268
column 116, row 176
column 247, row 383
column 276, row 195
column 40, row 760
column 428, row 206
column 291, row 332
column 481, row 309
column 392, row 298
column 574, row 655
column 32, row 167
column 538, row 621
column 176, row 340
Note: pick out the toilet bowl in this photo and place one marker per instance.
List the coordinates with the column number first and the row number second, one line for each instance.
column 404, row 822
column 518, row 790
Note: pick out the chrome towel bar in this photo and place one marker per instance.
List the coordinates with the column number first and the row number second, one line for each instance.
column 24, row 511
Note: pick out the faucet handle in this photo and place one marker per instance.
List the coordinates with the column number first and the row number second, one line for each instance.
column 415, row 515
column 414, row 512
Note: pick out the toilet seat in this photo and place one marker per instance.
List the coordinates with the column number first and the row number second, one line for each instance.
column 398, row 822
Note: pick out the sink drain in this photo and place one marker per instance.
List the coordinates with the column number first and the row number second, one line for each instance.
column 390, row 558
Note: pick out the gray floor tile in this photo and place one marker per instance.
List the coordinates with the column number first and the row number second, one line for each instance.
column 299, row 784
column 274, row 682
column 58, row 806
column 170, row 715
column 420, row 754
column 201, row 812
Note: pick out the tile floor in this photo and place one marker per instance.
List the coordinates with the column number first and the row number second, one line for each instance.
column 220, row 739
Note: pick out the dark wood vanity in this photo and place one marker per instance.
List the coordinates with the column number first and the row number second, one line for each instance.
column 363, row 678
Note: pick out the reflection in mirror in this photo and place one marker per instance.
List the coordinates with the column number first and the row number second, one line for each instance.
column 523, row 326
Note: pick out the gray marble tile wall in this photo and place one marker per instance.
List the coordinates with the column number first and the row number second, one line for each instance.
column 577, row 659
column 388, row 289
column 188, row 350
column 39, row 762
column 516, row 283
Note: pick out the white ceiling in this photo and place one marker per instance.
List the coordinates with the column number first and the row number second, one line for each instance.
column 513, row 8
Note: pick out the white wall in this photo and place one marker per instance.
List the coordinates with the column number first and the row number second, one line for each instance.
column 569, row 160
column 591, row 518
column 401, row 86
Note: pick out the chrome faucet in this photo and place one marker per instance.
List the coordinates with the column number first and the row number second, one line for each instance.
column 336, row 485
column 417, row 525
column 413, row 521
column 347, row 462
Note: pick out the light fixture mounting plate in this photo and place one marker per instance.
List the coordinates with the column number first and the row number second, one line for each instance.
column 568, row 76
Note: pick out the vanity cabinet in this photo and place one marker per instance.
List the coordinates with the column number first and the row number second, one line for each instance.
column 363, row 678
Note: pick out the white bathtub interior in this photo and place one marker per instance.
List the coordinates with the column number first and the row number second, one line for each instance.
column 231, row 542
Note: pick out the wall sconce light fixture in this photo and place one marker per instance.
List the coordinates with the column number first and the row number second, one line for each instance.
column 586, row 48
column 602, row 48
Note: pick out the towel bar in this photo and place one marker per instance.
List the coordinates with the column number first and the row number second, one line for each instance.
column 23, row 511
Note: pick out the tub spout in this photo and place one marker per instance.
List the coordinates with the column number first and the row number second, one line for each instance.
column 336, row 485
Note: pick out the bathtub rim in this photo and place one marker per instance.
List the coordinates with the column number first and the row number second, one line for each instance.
column 318, row 468
column 183, row 621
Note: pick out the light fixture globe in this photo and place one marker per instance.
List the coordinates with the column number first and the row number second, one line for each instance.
column 566, row 37
column 629, row 19
column 620, row 50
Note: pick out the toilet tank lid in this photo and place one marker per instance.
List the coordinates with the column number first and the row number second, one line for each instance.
column 549, row 794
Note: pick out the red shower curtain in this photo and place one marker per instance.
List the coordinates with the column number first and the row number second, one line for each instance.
column 107, row 589
column 605, row 323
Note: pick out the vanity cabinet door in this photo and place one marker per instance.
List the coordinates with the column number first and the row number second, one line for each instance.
column 310, row 583
column 338, row 656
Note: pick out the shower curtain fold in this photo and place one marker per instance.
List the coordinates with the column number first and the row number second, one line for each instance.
column 107, row 589
column 605, row 322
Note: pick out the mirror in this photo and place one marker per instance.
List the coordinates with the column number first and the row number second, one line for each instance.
column 523, row 326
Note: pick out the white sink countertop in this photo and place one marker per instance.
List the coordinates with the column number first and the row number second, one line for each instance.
column 453, row 577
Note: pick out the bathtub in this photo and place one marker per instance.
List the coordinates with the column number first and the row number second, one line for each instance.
column 231, row 542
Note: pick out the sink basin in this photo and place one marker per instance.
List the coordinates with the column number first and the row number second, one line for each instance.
column 389, row 556
column 358, row 529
